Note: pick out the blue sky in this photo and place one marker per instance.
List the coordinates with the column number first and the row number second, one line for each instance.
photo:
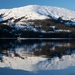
column 70, row 4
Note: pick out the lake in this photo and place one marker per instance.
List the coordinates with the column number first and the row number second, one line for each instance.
column 37, row 57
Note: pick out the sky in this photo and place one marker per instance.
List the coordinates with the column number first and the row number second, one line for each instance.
column 69, row 4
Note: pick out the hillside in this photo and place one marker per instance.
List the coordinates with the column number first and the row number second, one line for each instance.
column 36, row 21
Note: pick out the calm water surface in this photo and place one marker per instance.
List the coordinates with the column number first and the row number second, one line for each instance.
column 34, row 57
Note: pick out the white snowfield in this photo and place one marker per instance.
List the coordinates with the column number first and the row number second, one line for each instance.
column 38, row 12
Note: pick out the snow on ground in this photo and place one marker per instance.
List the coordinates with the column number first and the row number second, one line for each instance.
column 38, row 12
column 22, row 14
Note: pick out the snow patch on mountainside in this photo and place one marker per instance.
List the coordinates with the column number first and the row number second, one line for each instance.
column 38, row 12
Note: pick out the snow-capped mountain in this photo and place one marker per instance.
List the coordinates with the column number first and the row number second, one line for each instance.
column 38, row 12
column 35, row 18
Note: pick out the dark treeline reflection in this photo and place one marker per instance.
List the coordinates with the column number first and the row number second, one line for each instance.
column 36, row 48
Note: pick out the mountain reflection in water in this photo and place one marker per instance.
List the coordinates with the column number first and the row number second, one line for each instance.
column 37, row 48
column 39, row 57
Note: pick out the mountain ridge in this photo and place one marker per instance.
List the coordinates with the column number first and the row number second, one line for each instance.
column 38, row 12
column 38, row 22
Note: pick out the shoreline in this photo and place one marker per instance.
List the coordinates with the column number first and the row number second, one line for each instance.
column 37, row 38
